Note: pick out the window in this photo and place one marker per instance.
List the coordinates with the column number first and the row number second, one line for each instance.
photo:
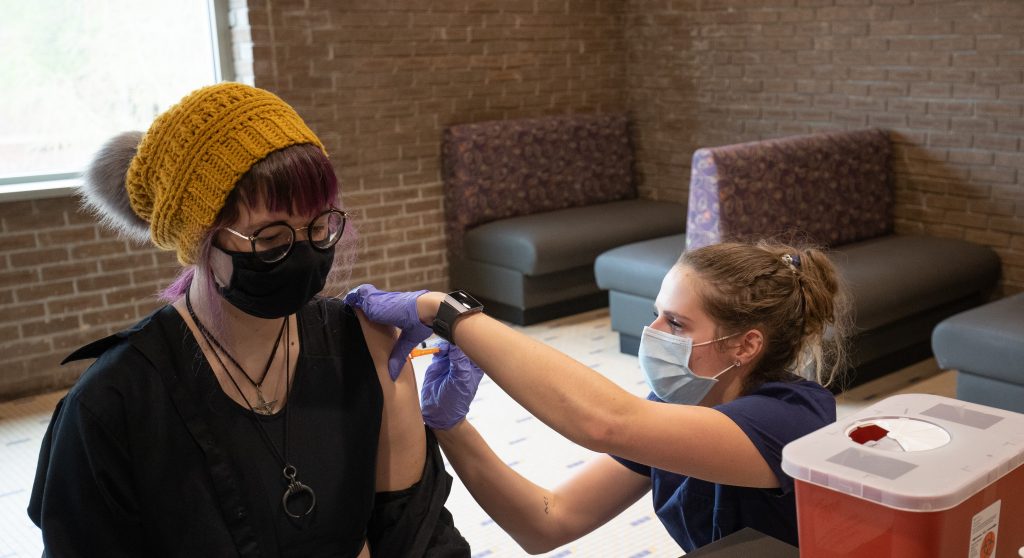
column 77, row 72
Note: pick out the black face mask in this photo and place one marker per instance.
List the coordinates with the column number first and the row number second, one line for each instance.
column 275, row 290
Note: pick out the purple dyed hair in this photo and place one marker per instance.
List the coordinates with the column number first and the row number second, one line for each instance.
column 299, row 180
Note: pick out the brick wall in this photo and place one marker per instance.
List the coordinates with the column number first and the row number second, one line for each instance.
column 378, row 81
column 63, row 282
column 945, row 76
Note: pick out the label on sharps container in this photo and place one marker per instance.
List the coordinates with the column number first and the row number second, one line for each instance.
column 984, row 528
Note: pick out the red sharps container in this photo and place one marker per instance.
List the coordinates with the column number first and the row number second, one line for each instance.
column 912, row 476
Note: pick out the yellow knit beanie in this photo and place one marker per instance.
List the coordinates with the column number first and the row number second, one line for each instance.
column 195, row 152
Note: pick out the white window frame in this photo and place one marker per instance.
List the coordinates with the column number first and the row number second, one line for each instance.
column 43, row 186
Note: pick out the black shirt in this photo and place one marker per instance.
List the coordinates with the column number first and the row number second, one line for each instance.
column 147, row 456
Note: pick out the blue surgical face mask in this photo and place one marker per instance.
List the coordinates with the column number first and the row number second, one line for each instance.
column 665, row 362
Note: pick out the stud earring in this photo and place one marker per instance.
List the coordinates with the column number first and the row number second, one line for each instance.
column 737, row 364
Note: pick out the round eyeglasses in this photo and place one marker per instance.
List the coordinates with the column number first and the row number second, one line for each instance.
column 272, row 243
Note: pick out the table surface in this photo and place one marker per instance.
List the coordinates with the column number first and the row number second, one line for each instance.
column 746, row 543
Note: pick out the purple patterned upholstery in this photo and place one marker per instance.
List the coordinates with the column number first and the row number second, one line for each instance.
column 506, row 168
column 828, row 189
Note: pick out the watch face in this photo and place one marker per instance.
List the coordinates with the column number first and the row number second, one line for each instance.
column 464, row 300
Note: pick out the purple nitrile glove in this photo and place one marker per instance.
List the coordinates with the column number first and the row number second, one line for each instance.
column 449, row 385
column 394, row 309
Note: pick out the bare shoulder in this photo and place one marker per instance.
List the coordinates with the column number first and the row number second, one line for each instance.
column 380, row 338
column 402, row 449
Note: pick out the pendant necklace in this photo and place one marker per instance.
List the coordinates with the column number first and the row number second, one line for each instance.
column 262, row 406
column 295, row 488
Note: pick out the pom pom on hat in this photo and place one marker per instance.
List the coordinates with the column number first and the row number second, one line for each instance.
column 104, row 193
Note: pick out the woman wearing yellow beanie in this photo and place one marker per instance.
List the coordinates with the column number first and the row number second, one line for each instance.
column 248, row 417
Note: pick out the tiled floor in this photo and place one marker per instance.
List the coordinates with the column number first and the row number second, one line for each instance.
column 522, row 441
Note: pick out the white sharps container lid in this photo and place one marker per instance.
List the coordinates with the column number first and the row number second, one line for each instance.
column 913, row 452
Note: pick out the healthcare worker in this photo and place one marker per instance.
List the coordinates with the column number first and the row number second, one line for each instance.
column 743, row 340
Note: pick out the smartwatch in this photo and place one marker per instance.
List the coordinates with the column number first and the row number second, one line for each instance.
column 455, row 305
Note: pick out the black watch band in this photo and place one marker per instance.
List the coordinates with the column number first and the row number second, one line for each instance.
column 455, row 305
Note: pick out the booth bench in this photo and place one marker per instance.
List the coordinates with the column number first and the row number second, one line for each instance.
column 986, row 346
column 832, row 190
column 531, row 203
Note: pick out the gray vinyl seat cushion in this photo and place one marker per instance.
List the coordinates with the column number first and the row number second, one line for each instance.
column 896, row 276
column 569, row 238
column 987, row 340
column 889, row 277
column 638, row 268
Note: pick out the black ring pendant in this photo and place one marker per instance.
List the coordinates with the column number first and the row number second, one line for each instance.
column 296, row 488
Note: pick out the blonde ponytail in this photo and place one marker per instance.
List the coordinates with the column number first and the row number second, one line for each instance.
column 794, row 296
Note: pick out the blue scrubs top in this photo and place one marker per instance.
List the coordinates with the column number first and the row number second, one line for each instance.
column 697, row 512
